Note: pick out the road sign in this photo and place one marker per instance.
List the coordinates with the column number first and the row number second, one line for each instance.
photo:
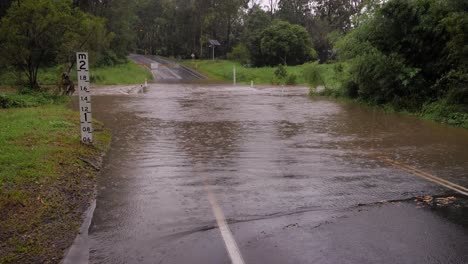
column 84, row 97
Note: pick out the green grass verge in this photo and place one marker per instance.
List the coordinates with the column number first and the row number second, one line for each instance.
column 44, row 184
column 127, row 73
column 222, row 70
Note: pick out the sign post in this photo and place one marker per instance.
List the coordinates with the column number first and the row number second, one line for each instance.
column 84, row 97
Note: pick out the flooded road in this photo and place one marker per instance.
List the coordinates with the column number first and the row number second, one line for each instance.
column 294, row 180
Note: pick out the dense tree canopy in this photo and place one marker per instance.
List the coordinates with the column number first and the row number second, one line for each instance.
column 43, row 32
column 409, row 52
column 284, row 43
column 182, row 27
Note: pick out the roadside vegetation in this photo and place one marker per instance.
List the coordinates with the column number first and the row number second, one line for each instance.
column 222, row 70
column 47, row 177
column 46, row 181
column 407, row 56
column 124, row 73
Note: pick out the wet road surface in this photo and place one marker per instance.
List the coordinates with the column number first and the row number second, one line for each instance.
column 295, row 178
column 164, row 70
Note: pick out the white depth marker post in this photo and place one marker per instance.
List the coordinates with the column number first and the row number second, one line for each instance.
column 234, row 74
column 84, row 97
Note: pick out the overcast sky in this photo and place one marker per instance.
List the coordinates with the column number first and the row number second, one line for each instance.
column 262, row 2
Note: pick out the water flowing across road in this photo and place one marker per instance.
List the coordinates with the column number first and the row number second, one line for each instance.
column 295, row 180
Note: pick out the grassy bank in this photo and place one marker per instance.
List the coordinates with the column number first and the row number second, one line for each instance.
column 222, row 70
column 127, row 73
column 46, row 181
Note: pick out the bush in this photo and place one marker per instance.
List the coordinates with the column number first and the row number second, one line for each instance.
column 351, row 89
column 109, row 58
column 240, row 53
column 281, row 76
column 453, row 86
column 276, row 81
column 386, row 79
column 291, row 79
column 29, row 100
column 312, row 74
column 281, row 72
column 442, row 111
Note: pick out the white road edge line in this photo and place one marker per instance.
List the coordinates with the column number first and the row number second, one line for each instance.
column 229, row 241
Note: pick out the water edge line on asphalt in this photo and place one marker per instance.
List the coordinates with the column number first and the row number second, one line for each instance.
column 422, row 174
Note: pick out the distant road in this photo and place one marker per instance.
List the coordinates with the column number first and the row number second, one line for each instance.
column 164, row 69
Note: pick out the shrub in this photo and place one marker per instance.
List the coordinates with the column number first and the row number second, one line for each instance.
column 109, row 58
column 276, row 81
column 386, row 79
column 312, row 74
column 453, row 86
column 291, row 79
column 240, row 53
column 29, row 100
column 351, row 89
column 281, row 73
column 442, row 111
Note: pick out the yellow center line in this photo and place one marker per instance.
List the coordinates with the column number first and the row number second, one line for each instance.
column 427, row 176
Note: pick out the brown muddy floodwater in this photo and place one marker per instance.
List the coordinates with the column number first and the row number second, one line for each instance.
column 281, row 166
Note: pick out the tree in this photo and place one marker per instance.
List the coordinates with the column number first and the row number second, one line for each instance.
column 39, row 32
column 272, row 6
column 294, row 11
column 4, row 5
column 331, row 18
column 284, row 43
column 256, row 21
column 389, row 53
column 338, row 13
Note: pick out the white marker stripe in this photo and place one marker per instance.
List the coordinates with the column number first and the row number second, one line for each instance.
column 425, row 175
column 229, row 241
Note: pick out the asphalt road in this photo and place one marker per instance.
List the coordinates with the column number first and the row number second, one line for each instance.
column 223, row 174
column 164, row 70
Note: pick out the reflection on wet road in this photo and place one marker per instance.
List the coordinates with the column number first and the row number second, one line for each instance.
column 287, row 171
